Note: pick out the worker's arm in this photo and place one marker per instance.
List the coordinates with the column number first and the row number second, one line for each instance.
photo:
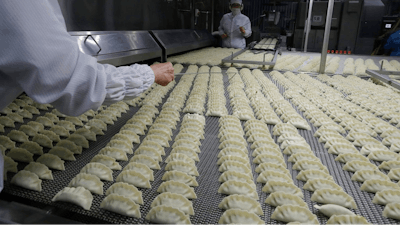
column 221, row 28
column 39, row 55
column 247, row 28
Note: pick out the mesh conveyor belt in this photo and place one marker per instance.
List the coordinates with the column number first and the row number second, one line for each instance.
column 206, row 205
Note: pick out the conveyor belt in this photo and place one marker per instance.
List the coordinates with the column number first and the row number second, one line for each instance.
column 206, row 205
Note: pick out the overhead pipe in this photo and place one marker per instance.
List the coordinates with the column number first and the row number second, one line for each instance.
column 308, row 25
column 326, row 36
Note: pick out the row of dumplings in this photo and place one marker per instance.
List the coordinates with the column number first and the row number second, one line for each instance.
column 313, row 64
column 333, row 65
column 250, row 56
column 366, row 172
column 241, row 204
column 173, row 205
column 195, row 102
column 216, row 104
column 206, row 56
column 122, row 197
column 238, row 99
column 266, row 43
column 289, row 62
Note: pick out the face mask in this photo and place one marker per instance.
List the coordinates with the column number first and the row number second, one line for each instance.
column 235, row 11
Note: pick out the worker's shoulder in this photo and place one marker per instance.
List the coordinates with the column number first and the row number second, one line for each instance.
column 242, row 16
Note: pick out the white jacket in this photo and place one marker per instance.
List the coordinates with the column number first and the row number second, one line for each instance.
column 40, row 58
column 230, row 25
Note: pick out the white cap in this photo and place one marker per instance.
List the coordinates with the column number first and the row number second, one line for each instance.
column 236, row 1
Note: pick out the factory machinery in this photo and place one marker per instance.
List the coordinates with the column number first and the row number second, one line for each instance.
column 281, row 136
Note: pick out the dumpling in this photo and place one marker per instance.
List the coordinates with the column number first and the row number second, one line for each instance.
column 163, row 141
column 32, row 147
column 41, row 170
column 97, row 123
column 272, row 167
column 347, row 219
column 339, row 149
column 266, row 150
column 51, row 161
column 332, row 209
column 394, row 174
column 43, row 140
column 96, row 130
column 28, row 180
column 269, row 175
column 153, row 145
column 383, row 156
column 60, row 131
column 309, row 165
column 186, row 143
column 235, row 166
column 378, row 185
column 231, row 187
column 392, row 210
column 121, row 205
column 302, row 155
column 174, row 200
column 99, row 170
column 149, row 152
column 16, row 117
column 133, row 127
column 18, row 136
column 183, row 167
column 241, row 202
column 167, row 215
column 88, row 134
column 148, row 161
column 363, row 175
column 281, row 198
column 35, row 125
column 28, row 130
column 7, row 122
column 74, row 120
column 108, row 161
column 178, row 188
column 179, row 157
column 131, row 135
column 385, row 197
column 70, row 146
column 266, row 158
column 53, row 117
column 78, row 196
column 263, row 143
column 293, row 213
column 142, row 169
column 6, row 142
column 237, row 216
column 79, row 140
column 232, row 151
column 122, row 145
column 388, row 165
column 181, row 177
column 58, row 113
column 356, row 165
column 134, row 178
column 237, row 176
column 21, row 155
column 10, row 165
column 306, row 175
column 115, row 153
column 347, row 157
column 274, row 186
column 293, row 149
column 316, row 184
column 126, row 190
column 330, row 196
column 45, row 121
column 63, row 153
column 88, row 181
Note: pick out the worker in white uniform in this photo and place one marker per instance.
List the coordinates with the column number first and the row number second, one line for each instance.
column 235, row 27
column 40, row 58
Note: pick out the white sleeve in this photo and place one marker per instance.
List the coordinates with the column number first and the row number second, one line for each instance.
column 221, row 27
column 247, row 28
column 42, row 59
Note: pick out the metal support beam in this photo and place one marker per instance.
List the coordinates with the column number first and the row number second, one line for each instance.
column 308, row 25
column 383, row 76
column 326, row 36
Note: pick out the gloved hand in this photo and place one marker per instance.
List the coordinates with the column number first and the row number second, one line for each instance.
column 242, row 30
column 224, row 36
column 163, row 73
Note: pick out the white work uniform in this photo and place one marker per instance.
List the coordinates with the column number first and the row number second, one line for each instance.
column 230, row 25
column 40, row 58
